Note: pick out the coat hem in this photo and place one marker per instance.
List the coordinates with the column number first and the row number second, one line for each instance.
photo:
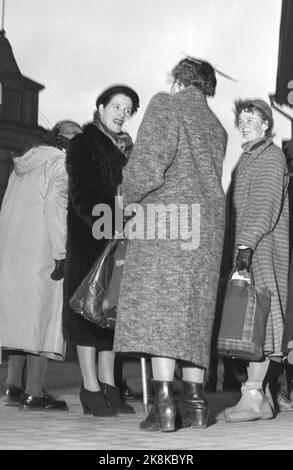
column 167, row 354
column 57, row 356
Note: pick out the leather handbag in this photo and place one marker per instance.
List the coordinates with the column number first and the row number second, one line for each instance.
column 111, row 298
column 244, row 318
column 89, row 298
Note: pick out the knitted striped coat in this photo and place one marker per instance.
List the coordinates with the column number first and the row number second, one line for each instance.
column 261, row 214
column 167, row 300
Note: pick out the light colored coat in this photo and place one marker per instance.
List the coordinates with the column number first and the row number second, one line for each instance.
column 261, row 218
column 168, row 293
column 32, row 235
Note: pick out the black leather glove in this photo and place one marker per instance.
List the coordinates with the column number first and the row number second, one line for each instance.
column 58, row 272
column 244, row 258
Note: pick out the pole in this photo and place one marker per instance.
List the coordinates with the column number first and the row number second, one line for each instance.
column 3, row 11
column 144, row 384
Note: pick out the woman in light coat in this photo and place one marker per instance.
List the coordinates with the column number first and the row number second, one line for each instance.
column 32, row 251
column 168, row 293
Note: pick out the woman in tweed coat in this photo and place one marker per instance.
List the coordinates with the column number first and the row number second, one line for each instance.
column 261, row 239
column 168, row 292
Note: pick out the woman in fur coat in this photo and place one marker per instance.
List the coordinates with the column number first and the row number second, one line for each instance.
column 94, row 163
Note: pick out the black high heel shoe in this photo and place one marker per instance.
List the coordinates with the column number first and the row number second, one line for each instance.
column 94, row 403
column 112, row 397
column 193, row 406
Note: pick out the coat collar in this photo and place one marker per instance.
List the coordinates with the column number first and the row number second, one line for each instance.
column 191, row 92
column 254, row 149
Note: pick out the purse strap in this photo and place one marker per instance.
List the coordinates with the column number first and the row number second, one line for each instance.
column 110, row 246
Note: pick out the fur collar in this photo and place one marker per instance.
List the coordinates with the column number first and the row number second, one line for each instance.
column 93, row 145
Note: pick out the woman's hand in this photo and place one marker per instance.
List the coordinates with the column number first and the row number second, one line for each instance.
column 244, row 259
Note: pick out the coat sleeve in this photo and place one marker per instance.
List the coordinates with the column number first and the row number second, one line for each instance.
column 153, row 151
column 55, row 206
column 266, row 196
column 87, row 187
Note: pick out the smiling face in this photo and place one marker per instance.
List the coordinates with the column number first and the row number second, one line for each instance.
column 251, row 126
column 116, row 112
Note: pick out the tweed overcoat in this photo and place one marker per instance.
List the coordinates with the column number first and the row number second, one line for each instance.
column 32, row 235
column 168, row 292
column 261, row 218
column 94, row 166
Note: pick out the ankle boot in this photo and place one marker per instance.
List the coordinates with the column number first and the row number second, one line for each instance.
column 193, row 406
column 94, row 403
column 283, row 403
column 253, row 405
column 113, row 399
column 163, row 412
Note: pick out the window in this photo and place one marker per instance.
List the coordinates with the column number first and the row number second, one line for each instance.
column 12, row 101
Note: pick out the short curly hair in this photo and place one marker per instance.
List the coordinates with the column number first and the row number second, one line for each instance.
column 251, row 105
column 195, row 72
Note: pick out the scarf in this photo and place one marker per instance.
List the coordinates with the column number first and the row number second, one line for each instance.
column 251, row 146
column 122, row 140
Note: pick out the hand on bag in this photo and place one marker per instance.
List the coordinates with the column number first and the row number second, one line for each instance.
column 58, row 272
column 244, row 259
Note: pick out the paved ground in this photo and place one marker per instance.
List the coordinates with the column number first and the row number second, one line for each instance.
column 73, row 431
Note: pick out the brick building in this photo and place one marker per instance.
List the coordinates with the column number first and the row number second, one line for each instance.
column 19, row 102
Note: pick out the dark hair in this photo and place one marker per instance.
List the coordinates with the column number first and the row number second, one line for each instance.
column 62, row 133
column 195, row 72
column 105, row 97
column 251, row 105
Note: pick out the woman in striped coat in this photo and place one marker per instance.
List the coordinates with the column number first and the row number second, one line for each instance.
column 260, row 202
